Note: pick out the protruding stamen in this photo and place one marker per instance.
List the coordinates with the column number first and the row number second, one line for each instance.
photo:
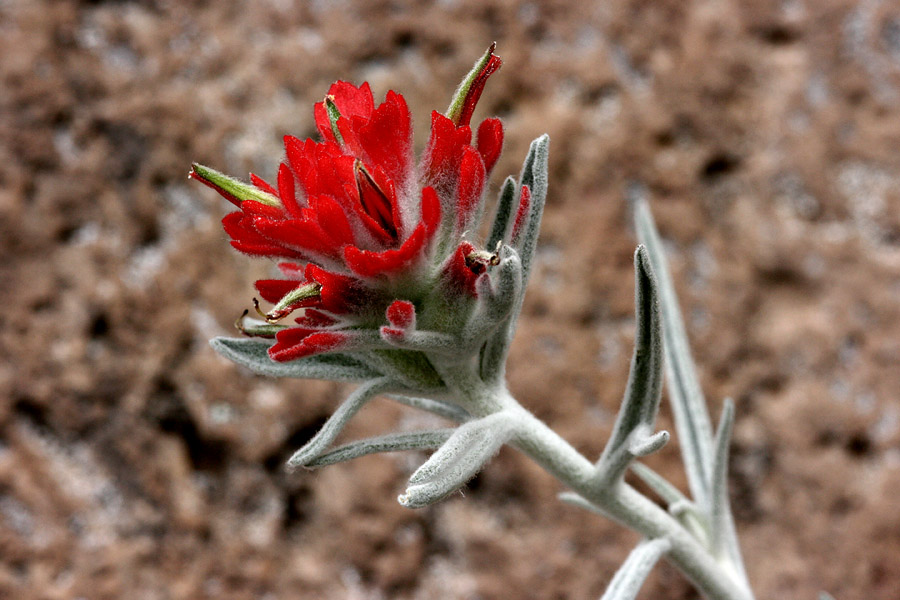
column 479, row 260
column 239, row 322
column 256, row 328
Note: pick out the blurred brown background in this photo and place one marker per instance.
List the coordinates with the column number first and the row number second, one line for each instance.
column 135, row 463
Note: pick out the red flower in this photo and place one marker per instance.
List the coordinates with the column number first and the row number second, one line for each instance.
column 359, row 224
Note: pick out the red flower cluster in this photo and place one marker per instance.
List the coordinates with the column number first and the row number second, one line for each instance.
column 355, row 223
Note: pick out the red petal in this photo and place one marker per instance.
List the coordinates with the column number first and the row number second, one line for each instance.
column 521, row 212
column 286, row 190
column 300, row 235
column 340, row 294
column 273, row 290
column 249, row 241
column 323, row 123
column 401, row 314
column 292, row 270
column 387, row 138
column 444, row 148
column 477, row 87
column 331, row 219
column 262, row 184
column 471, row 185
column 315, row 318
column 490, row 142
column 371, row 264
column 270, row 250
column 351, row 101
column 252, row 208
column 431, row 211
column 298, row 342
column 457, row 274
column 333, row 172
column 298, row 156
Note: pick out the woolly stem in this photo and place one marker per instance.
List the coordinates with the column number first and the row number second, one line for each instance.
column 620, row 502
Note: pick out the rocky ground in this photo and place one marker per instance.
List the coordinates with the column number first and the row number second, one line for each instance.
column 135, row 463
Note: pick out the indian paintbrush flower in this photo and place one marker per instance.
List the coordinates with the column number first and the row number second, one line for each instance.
column 357, row 226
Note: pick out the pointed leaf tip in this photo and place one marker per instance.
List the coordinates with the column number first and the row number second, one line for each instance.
column 632, row 434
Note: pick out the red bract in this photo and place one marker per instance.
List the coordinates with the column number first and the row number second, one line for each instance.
column 355, row 220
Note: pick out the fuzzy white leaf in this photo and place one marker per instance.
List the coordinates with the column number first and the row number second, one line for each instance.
column 394, row 442
column 506, row 213
column 633, row 432
column 458, row 460
column 627, row 581
column 438, row 407
column 336, row 423
column 688, row 404
column 724, row 537
column 534, row 175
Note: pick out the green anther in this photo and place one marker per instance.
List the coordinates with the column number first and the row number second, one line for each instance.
column 333, row 115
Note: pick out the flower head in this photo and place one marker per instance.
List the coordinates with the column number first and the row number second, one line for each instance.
column 356, row 225
column 383, row 279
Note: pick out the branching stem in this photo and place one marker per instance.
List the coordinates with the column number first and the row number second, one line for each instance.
column 623, row 504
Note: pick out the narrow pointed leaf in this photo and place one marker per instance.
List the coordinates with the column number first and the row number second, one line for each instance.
column 505, row 214
column 534, row 175
column 253, row 354
column 439, row 407
column 688, row 404
column 498, row 295
column 458, row 460
column 395, row 442
column 645, row 446
column 668, row 492
column 632, row 434
column 336, row 423
column 627, row 581
column 724, row 537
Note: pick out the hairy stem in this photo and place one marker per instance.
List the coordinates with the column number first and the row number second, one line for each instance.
column 624, row 504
